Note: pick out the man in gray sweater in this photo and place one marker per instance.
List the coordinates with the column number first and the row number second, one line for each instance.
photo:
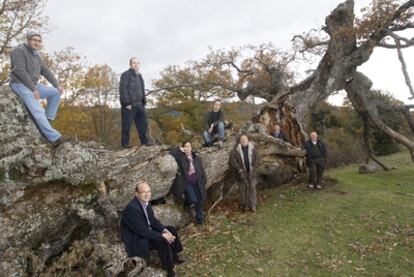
column 26, row 68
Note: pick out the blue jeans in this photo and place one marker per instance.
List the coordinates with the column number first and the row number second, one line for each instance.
column 192, row 196
column 219, row 129
column 40, row 116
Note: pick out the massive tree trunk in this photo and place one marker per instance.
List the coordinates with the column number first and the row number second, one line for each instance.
column 290, row 105
column 336, row 71
column 53, row 197
column 358, row 91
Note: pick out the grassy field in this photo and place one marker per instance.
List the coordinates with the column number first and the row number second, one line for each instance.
column 363, row 226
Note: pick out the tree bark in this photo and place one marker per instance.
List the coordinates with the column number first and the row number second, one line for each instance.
column 357, row 90
column 56, row 196
column 52, row 197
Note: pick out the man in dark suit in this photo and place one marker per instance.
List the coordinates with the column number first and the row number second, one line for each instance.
column 142, row 232
column 278, row 133
column 316, row 157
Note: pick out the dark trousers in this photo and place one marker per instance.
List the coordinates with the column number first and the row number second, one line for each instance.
column 316, row 168
column 138, row 115
column 192, row 196
column 167, row 252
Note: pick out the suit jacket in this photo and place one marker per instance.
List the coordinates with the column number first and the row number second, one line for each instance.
column 281, row 135
column 135, row 232
column 321, row 146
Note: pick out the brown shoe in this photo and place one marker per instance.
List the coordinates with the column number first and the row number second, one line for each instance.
column 253, row 209
column 61, row 140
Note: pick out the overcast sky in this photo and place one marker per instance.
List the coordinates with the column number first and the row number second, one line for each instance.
column 163, row 32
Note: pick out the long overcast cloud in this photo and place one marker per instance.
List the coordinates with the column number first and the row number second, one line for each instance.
column 163, row 32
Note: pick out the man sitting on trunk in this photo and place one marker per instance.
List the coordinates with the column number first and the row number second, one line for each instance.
column 141, row 231
column 214, row 125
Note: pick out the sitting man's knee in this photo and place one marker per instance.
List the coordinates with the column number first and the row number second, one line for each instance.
column 56, row 92
column 172, row 229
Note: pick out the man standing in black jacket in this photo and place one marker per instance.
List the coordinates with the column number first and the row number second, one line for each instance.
column 141, row 231
column 133, row 101
column 316, row 157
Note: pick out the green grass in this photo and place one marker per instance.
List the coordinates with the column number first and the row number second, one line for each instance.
column 363, row 226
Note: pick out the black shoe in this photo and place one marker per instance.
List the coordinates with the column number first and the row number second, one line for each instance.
column 171, row 274
column 61, row 140
column 148, row 144
column 127, row 147
column 178, row 260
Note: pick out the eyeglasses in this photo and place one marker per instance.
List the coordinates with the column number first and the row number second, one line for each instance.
column 36, row 40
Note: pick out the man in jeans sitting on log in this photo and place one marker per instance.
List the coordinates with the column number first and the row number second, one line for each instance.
column 214, row 124
column 26, row 68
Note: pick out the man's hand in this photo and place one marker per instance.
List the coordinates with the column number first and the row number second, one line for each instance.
column 129, row 107
column 36, row 94
column 211, row 128
column 168, row 237
column 61, row 90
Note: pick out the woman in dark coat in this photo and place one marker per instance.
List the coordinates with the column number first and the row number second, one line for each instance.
column 190, row 180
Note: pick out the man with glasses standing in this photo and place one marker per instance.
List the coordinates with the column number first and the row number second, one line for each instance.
column 141, row 231
column 26, row 69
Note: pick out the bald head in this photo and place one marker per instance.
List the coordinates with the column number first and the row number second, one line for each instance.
column 143, row 191
column 314, row 136
column 277, row 127
column 134, row 63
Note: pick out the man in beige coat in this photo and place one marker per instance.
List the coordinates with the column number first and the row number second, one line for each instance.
column 244, row 159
